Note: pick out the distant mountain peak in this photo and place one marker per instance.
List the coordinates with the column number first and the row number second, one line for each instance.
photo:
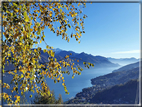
column 82, row 53
column 123, row 61
column 58, row 49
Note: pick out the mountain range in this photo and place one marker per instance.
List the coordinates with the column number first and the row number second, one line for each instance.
column 127, row 67
column 118, row 78
column 99, row 61
column 123, row 61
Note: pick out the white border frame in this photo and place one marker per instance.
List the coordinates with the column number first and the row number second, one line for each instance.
column 140, row 67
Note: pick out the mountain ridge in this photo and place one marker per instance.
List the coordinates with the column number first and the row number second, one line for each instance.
column 127, row 67
column 103, row 83
column 123, row 61
column 99, row 61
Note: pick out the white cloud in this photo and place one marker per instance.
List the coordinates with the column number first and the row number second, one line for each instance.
column 127, row 52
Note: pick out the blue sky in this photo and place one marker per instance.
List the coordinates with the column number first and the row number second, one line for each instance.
column 112, row 30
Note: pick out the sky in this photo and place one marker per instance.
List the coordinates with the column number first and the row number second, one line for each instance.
column 111, row 30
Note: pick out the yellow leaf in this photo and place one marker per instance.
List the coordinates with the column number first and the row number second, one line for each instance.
column 21, row 92
column 35, row 50
column 47, row 47
column 40, row 41
column 49, row 92
column 77, row 23
column 20, row 43
column 55, row 60
column 60, row 67
column 50, row 7
column 72, row 63
column 44, row 50
column 22, row 75
column 4, row 85
column 15, row 71
column 16, row 10
column 15, row 96
column 63, row 84
column 52, row 54
column 50, row 26
column 18, row 97
column 78, row 4
column 68, row 40
column 35, row 28
column 66, row 21
column 31, row 30
column 77, row 34
column 26, row 19
column 67, row 56
column 50, row 14
column 11, row 14
column 45, row 9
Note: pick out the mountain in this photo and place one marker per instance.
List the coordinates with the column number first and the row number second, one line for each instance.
column 128, row 67
column 44, row 56
column 63, row 53
column 114, row 78
column 119, row 94
column 99, row 61
column 103, row 83
column 123, row 61
column 57, row 50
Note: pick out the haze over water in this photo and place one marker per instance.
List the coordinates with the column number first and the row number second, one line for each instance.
column 79, row 82
column 75, row 85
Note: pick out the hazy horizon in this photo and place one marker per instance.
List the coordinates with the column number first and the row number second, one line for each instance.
column 98, row 55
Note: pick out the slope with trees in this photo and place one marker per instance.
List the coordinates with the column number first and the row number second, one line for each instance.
column 118, row 94
column 46, row 99
column 103, row 83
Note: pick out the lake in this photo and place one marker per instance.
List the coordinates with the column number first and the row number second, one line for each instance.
column 78, row 83
column 74, row 86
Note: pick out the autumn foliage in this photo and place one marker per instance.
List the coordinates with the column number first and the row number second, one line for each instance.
column 23, row 27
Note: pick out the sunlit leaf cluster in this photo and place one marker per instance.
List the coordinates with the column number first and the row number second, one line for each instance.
column 23, row 27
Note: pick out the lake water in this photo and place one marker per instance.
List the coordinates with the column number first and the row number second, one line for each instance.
column 78, row 83
column 74, row 86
